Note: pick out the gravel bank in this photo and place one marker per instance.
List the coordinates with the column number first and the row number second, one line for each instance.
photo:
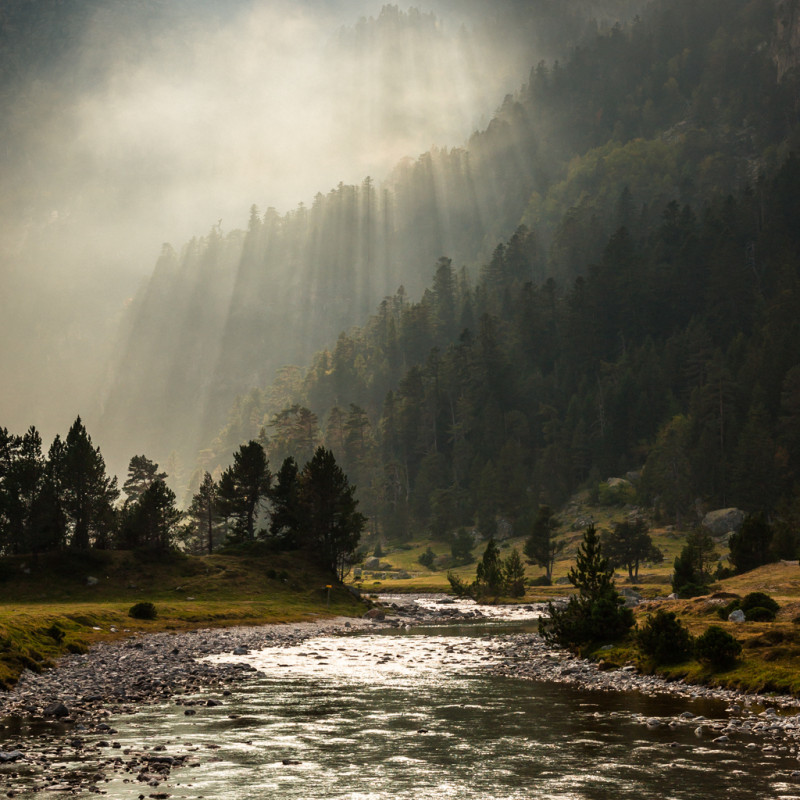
column 774, row 719
column 58, row 728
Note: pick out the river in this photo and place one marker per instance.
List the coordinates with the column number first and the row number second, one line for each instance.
column 416, row 714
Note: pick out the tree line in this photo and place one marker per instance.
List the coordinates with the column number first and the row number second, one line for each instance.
column 674, row 357
column 65, row 498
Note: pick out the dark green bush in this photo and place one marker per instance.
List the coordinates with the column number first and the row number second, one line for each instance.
column 759, row 600
column 759, row 614
column 717, row 648
column 427, row 558
column 542, row 580
column 664, row 638
column 691, row 590
column 143, row 611
column 77, row 647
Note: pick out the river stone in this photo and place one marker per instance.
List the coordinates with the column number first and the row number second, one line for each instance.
column 723, row 520
column 375, row 613
column 10, row 755
column 57, row 709
column 736, row 616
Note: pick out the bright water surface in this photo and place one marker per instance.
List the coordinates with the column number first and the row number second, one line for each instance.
column 414, row 715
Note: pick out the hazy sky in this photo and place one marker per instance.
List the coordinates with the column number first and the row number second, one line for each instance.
column 151, row 124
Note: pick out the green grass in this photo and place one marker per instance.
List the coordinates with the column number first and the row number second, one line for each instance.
column 188, row 592
column 654, row 579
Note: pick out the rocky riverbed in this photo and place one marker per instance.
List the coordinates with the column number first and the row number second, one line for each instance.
column 774, row 719
column 58, row 729
column 52, row 721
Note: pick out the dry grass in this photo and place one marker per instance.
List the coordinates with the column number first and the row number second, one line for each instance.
column 188, row 592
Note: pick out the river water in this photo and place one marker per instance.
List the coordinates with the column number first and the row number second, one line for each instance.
column 416, row 714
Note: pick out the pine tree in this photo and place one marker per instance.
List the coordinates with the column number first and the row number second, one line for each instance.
column 243, row 489
column 629, row 544
column 489, row 578
column 88, row 492
column 597, row 613
column 514, row 574
column 330, row 523
column 284, row 524
column 541, row 546
column 141, row 473
column 204, row 514
column 152, row 520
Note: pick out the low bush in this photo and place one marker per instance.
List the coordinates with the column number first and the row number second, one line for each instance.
column 664, row 639
column 427, row 558
column 759, row 614
column 759, row 600
column 143, row 611
column 542, row 580
column 717, row 648
column 691, row 590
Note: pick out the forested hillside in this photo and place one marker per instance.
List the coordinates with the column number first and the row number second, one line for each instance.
column 223, row 311
column 644, row 315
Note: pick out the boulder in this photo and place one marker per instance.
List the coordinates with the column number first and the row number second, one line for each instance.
column 723, row 520
column 375, row 613
column 92, row 581
column 57, row 709
column 736, row 616
column 632, row 598
column 7, row 756
column 372, row 563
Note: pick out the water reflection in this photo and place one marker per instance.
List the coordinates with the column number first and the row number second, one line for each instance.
column 417, row 716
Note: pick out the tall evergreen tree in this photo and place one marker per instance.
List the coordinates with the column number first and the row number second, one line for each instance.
column 243, row 490
column 204, row 514
column 542, row 547
column 597, row 613
column 330, row 523
column 88, row 492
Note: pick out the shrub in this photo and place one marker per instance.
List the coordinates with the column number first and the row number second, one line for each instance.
column 759, row 614
column 691, row 590
column 77, row 647
column 717, row 647
column 143, row 611
column 542, row 580
column 664, row 638
column 427, row 558
column 459, row 587
column 759, row 600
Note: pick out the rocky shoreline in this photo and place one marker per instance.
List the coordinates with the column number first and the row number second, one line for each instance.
column 67, row 714
column 774, row 720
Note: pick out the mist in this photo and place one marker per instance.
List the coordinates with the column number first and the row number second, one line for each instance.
column 129, row 125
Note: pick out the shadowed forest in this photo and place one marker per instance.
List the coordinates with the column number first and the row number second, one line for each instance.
column 602, row 280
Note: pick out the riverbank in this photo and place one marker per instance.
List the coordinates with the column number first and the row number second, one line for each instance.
column 68, row 715
column 68, row 602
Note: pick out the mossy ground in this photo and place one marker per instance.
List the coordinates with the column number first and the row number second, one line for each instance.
column 188, row 592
